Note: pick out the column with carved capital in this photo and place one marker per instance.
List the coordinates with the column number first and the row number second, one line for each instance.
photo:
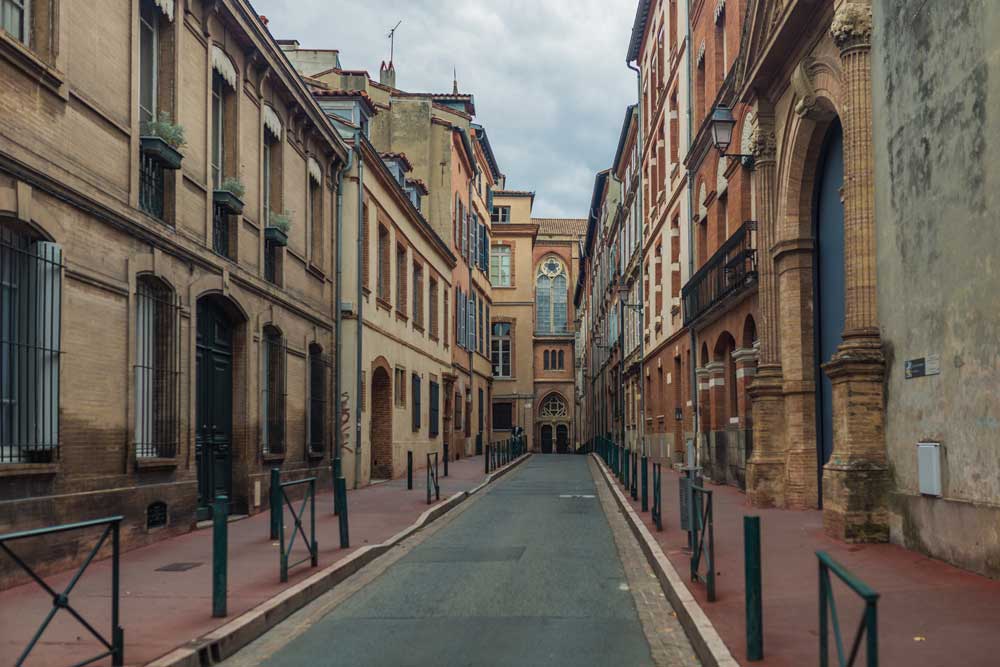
column 766, row 467
column 856, row 478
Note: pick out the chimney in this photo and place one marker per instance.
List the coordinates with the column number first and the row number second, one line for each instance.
column 387, row 74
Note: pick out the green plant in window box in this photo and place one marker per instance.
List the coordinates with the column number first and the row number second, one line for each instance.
column 230, row 195
column 276, row 231
column 162, row 140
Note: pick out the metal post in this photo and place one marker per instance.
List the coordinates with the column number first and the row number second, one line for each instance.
column 824, row 658
column 635, row 474
column 312, row 523
column 220, row 556
column 341, row 488
column 645, row 483
column 409, row 470
column 752, row 585
column 871, row 618
column 275, row 495
column 117, row 633
column 281, row 539
column 486, row 459
column 446, row 459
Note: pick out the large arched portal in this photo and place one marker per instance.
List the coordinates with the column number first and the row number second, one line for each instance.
column 381, row 425
column 553, row 420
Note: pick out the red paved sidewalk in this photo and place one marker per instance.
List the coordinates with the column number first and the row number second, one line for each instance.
column 161, row 610
column 929, row 614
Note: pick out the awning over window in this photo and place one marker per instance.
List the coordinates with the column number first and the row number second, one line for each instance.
column 224, row 66
column 167, row 7
column 315, row 171
column 271, row 121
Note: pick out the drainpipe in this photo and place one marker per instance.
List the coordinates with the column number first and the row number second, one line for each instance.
column 689, row 460
column 339, row 484
column 642, row 267
column 472, row 288
column 357, row 387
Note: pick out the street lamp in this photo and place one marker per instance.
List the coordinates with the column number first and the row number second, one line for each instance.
column 623, row 292
column 722, row 124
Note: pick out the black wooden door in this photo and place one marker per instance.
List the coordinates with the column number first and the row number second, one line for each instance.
column 562, row 439
column 213, row 438
column 546, row 439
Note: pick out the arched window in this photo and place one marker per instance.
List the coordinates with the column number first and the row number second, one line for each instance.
column 157, row 370
column 551, row 291
column 562, row 360
column 554, row 406
column 272, row 401
column 545, row 356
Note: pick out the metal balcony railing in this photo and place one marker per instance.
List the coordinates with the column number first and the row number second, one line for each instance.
column 151, row 186
column 729, row 270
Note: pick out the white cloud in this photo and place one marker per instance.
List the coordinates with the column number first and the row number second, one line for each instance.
column 549, row 76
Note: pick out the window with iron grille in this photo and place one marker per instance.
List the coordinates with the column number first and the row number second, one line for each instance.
column 434, row 416
column 30, row 321
column 157, row 370
column 415, row 381
column 273, row 394
column 459, row 424
column 319, row 378
column 271, row 260
column 151, row 185
column 503, row 415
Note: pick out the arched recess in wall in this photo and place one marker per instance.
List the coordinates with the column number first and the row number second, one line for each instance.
column 551, row 296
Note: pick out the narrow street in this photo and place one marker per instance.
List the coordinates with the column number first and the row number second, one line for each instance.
column 526, row 574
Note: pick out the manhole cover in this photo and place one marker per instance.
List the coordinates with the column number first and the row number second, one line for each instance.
column 178, row 567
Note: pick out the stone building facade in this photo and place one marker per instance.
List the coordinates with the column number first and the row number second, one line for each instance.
column 181, row 321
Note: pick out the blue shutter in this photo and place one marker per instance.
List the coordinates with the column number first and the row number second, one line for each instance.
column 434, row 414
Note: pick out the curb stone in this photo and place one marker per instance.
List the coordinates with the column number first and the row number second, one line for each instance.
column 705, row 639
column 224, row 641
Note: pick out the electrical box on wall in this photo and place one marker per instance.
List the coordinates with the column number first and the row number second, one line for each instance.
column 929, row 468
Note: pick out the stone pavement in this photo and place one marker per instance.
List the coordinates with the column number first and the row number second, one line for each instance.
column 163, row 609
column 930, row 614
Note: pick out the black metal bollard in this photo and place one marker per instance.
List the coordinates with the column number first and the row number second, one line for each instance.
column 220, row 555
column 752, row 578
column 409, row 471
column 486, row 460
column 635, row 475
column 275, row 501
column 446, row 459
column 645, row 483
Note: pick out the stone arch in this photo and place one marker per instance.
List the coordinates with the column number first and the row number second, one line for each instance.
column 380, row 421
column 725, row 345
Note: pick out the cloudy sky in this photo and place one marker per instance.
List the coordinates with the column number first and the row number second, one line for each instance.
column 549, row 76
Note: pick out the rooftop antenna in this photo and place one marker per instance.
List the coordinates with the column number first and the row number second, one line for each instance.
column 392, row 40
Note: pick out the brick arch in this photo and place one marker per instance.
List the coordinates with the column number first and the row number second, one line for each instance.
column 380, row 427
column 749, row 332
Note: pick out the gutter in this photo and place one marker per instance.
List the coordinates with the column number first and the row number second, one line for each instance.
column 338, row 444
column 642, row 267
column 357, row 387
column 691, row 458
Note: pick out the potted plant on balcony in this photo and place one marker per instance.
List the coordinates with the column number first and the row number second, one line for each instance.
column 162, row 140
column 276, row 231
column 229, row 196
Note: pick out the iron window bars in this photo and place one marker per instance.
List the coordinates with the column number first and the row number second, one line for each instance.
column 220, row 230
column 157, row 370
column 151, row 185
column 30, row 317
column 273, row 391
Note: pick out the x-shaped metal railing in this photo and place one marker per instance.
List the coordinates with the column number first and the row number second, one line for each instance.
column 116, row 645
column 703, row 524
column 309, row 499
column 432, row 477
column 867, row 628
column 657, row 500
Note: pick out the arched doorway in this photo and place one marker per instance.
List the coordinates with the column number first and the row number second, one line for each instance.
column 562, row 439
column 380, row 429
column 214, row 401
column 829, row 279
column 546, row 439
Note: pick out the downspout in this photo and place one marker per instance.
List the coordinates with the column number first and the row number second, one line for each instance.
column 338, row 320
column 472, row 353
column 357, row 387
column 690, row 460
column 642, row 267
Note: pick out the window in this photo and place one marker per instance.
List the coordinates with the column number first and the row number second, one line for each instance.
column 434, row 416
column 500, row 352
column 464, row 223
column 545, row 356
column 458, row 412
column 500, row 266
column 418, row 296
column 319, row 366
column 14, row 19
column 551, row 297
column 562, row 360
column 503, row 416
column 316, row 214
column 500, row 214
column 399, row 388
column 30, row 321
column 447, row 316
column 149, row 32
column 272, row 198
column 383, row 264
column 364, row 245
column 401, row 271
column 415, row 380
column 471, row 332
column 272, row 402
column 157, row 370
column 219, row 128
column 224, row 235
column 433, row 315
column 480, row 338
column 554, row 406
column 459, row 318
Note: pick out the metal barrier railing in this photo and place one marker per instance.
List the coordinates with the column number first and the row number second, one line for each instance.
column 867, row 628
column 432, row 477
column 115, row 646
column 309, row 499
column 703, row 524
column 657, row 500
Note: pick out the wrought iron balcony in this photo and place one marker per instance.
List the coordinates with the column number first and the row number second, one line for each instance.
column 732, row 268
column 151, row 186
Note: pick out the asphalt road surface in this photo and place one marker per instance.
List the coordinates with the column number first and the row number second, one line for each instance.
column 528, row 574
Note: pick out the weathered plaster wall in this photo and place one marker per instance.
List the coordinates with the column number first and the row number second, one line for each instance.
column 934, row 74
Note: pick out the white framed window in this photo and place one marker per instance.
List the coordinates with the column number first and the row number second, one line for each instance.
column 500, row 266
column 551, row 297
column 500, row 351
column 500, row 214
column 15, row 19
